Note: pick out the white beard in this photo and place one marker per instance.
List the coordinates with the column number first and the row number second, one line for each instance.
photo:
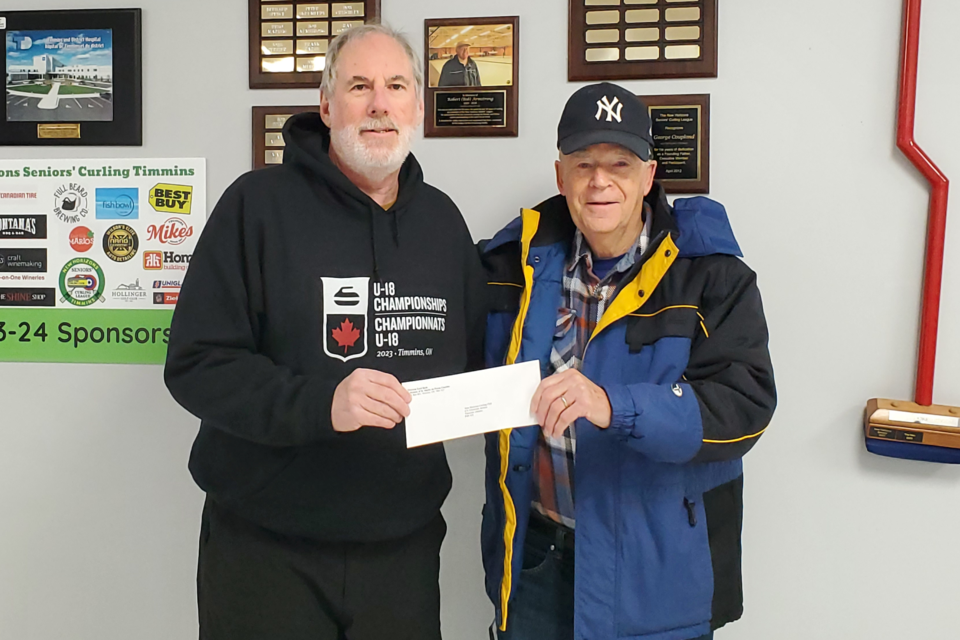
column 374, row 161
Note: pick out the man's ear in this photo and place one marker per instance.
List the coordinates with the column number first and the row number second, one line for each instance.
column 648, row 183
column 559, row 169
column 324, row 108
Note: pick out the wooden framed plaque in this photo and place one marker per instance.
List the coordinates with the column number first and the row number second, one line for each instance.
column 72, row 78
column 267, row 133
column 681, row 139
column 472, row 72
column 640, row 39
column 289, row 38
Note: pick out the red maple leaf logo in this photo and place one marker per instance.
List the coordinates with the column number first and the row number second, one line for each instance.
column 346, row 335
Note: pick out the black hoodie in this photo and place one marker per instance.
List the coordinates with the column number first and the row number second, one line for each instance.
column 298, row 279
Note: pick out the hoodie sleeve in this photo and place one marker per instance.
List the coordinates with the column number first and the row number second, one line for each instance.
column 728, row 394
column 213, row 367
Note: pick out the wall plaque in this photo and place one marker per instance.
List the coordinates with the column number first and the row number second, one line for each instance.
column 681, row 137
column 472, row 74
column 639, row 39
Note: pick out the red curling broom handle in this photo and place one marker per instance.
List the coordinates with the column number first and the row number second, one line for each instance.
column 937, row 225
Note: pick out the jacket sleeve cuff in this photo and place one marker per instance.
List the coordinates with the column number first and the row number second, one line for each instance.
column 623, row 410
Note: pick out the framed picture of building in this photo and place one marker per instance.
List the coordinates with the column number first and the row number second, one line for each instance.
column 72, row 78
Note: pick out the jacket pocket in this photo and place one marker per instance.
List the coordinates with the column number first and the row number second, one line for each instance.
column 678, row 321
column 664, row 573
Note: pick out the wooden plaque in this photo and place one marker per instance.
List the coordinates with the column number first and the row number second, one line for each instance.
column 640, row 39
column 289, row 38
column 681, row 140
column 479, row 97
column 267, row 127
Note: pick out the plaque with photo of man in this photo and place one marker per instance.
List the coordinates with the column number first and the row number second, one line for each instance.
column 471, row 76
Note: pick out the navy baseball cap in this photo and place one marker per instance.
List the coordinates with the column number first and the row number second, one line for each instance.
column 605, row 113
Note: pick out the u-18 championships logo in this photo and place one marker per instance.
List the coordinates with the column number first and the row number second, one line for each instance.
column 345, row 302
column 82, row 282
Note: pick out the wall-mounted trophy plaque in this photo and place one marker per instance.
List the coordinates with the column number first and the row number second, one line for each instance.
column 681, row 139
column 289, row 40
column 268, row 133
column 472, row 74
column 72, row 78
column 640, row 39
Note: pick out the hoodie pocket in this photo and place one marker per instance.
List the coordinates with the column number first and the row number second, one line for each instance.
column 664, row 572
column 678, row 321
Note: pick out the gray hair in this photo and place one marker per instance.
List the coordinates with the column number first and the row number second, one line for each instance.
column 358, row 33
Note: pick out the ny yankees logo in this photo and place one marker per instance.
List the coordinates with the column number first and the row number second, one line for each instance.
column 606, row 105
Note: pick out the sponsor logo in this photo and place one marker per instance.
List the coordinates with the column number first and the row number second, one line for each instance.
column 28, row 297
column 129, row 292
column 118, row 204
column 81, row 239
column 70, row 203
column 166, row 260
column 167, row 284
column 82, row 282
column 173, row 231
column 345, row 302
column 23, row 227
column 23, row 260
column 171, row 198
column 18, row 195
column 160, row 297
column 120, row 243
column 152, row 260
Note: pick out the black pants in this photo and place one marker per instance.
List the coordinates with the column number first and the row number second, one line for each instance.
column 253, row 584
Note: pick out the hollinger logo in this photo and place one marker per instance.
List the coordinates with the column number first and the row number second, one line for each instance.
column 345, row 317
column 81, row 239
column 70, row 203
column 174, row 231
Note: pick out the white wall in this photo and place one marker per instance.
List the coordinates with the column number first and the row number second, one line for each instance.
column 100, row 517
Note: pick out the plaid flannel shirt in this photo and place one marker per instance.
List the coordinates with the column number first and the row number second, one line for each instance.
column 585, row 299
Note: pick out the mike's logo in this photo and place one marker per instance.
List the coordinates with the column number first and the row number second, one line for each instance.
column 345, row 303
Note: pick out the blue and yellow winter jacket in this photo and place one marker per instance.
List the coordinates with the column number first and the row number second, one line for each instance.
column 682, row 354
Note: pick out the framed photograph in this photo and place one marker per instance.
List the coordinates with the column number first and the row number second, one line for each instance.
column 472, row 73
column 642, row 39
column 72, row 78
column 268, row 133
column 289, row 40
column 681, row 141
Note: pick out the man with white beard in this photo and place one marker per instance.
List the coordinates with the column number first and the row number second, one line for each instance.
column 318, row 286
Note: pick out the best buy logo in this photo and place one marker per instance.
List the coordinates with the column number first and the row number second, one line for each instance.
column 171, row 198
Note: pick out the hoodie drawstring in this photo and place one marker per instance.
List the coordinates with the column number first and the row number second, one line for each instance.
column 373, row 245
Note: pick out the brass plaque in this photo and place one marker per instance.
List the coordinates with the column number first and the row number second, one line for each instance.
column 273, row 157
column 313, row 28
column 277, row 47
column 58, row 131
column 340, row 27
column 306, row 47
column 603, row 17
column 306, row 65
column 310, row 11
column 274, row 139
column 277, row 65
column 643, row 15
column 610, row 54
column 275, row 121
column 347, row 10
column 683, row 14
column 276, row 12
column 276, row 29
column 642, row 53
column 603, row 36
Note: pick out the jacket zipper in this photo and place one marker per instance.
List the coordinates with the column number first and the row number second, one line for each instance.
column 691, row 511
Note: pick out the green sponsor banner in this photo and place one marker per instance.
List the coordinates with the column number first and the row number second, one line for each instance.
column 127, row 336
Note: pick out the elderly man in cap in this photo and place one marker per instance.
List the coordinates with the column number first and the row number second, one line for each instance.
column 460, row 70
column 619, row 516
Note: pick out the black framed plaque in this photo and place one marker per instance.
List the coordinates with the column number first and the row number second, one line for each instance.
column 640, row 39
column 681, row 138
column 72, row 78
column 289, row 38
column 472, row 73
column 267, row 133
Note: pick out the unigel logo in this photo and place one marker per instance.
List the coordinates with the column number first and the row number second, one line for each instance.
column 174, row 231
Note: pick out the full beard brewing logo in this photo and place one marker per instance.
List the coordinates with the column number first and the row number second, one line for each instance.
column 345, row 302
column 70, row 203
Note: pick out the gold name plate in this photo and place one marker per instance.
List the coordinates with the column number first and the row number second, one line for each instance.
column 58, row 131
